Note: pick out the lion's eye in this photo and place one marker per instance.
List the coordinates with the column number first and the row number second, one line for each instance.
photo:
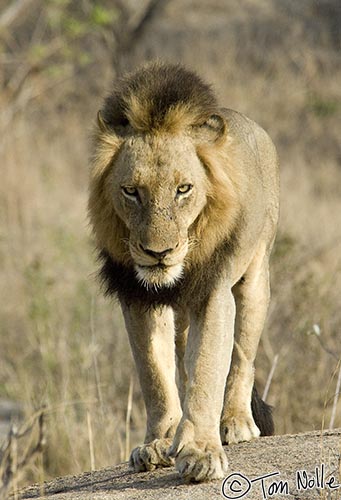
column 184, row 188
column 130, row 191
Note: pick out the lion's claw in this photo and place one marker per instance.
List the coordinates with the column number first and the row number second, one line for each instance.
column 201, row 463
column 151, row 455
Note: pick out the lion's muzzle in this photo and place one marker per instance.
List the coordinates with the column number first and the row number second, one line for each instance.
column 157, row 267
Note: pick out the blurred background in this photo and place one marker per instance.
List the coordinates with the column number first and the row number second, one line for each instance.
column 61, row 344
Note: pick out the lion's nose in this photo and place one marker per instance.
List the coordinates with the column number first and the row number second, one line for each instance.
column 156, row 255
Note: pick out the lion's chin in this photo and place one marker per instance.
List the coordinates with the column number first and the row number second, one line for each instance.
column 158, row 276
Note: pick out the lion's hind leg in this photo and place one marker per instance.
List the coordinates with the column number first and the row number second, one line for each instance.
column 252, row 298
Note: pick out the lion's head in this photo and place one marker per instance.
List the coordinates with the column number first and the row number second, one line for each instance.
column 159, row 196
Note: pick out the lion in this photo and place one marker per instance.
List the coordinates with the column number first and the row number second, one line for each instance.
column 184, row 208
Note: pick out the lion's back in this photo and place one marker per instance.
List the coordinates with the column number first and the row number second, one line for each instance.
column 256, row 156
column 258, row 151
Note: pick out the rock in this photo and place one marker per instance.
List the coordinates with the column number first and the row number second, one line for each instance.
column 304, row 467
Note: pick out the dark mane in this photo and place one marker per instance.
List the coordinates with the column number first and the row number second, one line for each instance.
column 158, row 96
column 119, row 280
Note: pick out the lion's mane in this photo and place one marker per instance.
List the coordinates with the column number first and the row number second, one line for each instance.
column 165, row 99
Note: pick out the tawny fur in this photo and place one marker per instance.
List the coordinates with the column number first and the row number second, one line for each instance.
column 217, row 220
column 189, row 269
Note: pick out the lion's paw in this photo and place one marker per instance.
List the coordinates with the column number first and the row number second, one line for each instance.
column 237, row 429
column 201, row 461
column 151, row 455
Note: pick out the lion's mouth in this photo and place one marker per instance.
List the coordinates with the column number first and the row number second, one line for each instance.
column 159, row 265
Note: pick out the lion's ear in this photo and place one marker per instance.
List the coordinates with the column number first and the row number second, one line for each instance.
column 211, row 131
column 102, row 125
column 120, row 129
column 105, row 142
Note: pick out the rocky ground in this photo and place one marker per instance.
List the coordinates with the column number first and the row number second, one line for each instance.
column 301, row 467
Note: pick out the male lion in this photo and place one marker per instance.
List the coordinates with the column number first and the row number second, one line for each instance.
column 184, row 208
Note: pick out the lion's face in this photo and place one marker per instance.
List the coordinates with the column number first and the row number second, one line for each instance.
column 159, row 187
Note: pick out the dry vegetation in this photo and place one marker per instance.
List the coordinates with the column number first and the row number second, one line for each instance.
column 61, row 343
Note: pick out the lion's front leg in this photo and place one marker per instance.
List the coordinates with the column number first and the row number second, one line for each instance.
column 197, row 447
column 151, row 335
column 182, row 321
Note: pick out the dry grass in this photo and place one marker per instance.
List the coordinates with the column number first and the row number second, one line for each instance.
column 63, row 345
column 19, row 450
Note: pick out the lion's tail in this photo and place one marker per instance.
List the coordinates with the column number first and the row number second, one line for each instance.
column 262, row 414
